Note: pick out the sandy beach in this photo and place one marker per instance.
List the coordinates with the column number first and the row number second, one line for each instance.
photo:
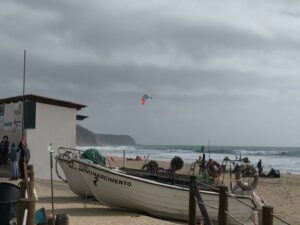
column 282, row 193
column 90, row 212
column 83, row 212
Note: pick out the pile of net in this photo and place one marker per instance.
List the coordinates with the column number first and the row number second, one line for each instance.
column 94, row 155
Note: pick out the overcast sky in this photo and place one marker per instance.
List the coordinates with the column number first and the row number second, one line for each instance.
column 224, row 71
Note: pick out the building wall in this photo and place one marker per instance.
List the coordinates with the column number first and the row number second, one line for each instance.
column 11, row 121
column 13, row 135
column 56, row 125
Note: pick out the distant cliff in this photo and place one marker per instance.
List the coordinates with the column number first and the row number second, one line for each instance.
column 85, row 137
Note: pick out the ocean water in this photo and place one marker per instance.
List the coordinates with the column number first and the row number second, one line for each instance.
column 285, row 159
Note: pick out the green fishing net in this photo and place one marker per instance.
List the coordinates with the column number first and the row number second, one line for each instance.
column 94, row 155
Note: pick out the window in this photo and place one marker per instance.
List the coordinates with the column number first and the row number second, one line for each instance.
column 29, row 115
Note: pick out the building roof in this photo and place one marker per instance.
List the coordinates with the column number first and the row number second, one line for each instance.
column 81, row 117
column 41, row 99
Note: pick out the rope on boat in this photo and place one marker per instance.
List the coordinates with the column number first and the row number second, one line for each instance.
column 277, row 217
column 230, row 195
column 202, row 203
column 234, row 217
column 253, row 208
column 70, row 149
column 145, row 160
column 207, row 185
column 108, row 162
column 57, row 173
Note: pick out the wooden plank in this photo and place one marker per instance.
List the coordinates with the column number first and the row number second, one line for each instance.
column 192, row 203
column 223, row 205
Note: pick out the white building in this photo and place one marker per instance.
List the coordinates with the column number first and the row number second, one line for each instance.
column 46, row 121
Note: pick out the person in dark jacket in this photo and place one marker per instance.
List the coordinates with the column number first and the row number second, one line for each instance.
column 14, row 158
column 4, row 148
column 24, row 158
column 260, row 168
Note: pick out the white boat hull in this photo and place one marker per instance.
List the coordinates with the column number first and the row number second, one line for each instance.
column 75, row 182
column 119, row 190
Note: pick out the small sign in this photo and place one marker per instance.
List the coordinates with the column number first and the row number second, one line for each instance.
column 50, row 149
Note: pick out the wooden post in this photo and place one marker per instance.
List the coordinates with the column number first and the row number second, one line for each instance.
column 30, row 190
column 267, row 218
column 21, row 206
column 192, row 203
column 30, row 182
column 31, row 212
column 30, row 167
column 223, row 205
column 30, row 206
column 23, row 187
column 30, row 172
column 25, row 175
column 31, row 176
column 51, row 220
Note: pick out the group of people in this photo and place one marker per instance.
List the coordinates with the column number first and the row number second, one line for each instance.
column 17, row 155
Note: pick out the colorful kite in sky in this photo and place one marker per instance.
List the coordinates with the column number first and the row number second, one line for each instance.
column 144, row 98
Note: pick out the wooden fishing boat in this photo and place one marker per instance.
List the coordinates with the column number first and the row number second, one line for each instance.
column 117, row 189
column 137, row 190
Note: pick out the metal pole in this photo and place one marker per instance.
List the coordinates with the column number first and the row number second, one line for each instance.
column 51, row 174
column 24, row 70
column 23, row 103
column 124, row 158
column 25, row 173
column 208, row 150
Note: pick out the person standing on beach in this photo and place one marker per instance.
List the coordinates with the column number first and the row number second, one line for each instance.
column 24, row 158
column 260, row 167
column 4, row 144
column 203, row 168
column 14, row 158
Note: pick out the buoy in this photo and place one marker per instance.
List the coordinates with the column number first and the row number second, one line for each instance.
column 176, row 163
column 247, row 171
column 213, row 168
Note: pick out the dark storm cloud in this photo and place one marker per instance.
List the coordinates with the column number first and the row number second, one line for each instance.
column 218, row 71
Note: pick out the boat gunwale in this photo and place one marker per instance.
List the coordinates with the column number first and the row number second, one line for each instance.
column 147, row 181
